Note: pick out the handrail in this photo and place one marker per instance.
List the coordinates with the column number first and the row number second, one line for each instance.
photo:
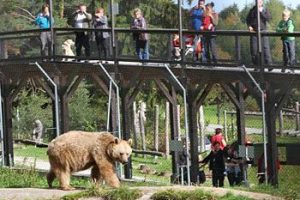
column 264, row 120
column 56, row 97
column 185, row 122
column 157, row 30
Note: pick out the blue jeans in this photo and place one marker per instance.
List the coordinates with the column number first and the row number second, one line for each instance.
column 142, row 54
column 289, row 52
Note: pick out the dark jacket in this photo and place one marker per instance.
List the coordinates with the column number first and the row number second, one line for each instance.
column 216, row 161
column 251, row 19
column 139, row 23
column 100, row 22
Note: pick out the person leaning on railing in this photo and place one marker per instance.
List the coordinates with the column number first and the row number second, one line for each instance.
column 43, row 21
column 286, row 25
column 82, row 19
column 253, row 27
column 141, row 39
column 102, row 37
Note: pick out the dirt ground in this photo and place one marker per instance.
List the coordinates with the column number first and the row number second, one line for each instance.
column 55, row 194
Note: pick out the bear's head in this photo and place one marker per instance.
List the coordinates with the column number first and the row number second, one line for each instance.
column 120, row 150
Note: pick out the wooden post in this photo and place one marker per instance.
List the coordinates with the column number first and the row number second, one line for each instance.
column 272, row 144
column 7, row 127
column 178, row 123
column 156, row 129
column 280, row 123
column 167, row 129
column 174, row 135
column 142, row 120
column 297, row 116
column 241, row 129
column 201, row 129
column 135, row 125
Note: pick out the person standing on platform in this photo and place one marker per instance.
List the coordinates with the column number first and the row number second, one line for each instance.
column 253, row 27
column 286, row 25
column 43, row 21
column 102, row 37
column 209, row 22
column 82, row 19
column 196, row 16
column 141, row 39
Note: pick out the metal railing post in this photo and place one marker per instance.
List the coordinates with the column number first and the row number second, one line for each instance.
column 264, row 120
column 118, row 97
column 185, row 122
column 55, row 94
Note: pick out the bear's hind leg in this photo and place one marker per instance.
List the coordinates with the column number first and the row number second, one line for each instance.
column 50, row 177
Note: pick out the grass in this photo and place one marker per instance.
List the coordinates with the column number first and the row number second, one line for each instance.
column 289, row 182
column 30, row 151
column 194, row 195
column 106, row 193
column 24, row 178
column 210, row 112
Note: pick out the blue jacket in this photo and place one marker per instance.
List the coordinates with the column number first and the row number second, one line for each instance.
column 42, row 21
column 196, row 16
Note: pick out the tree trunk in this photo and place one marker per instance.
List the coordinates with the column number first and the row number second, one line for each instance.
column 61, row 8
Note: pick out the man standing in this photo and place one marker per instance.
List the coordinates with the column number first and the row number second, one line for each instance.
column 253, row 27
column 43, row 21
column 82, row 19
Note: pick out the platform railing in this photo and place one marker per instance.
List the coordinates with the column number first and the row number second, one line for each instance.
column 25, row 46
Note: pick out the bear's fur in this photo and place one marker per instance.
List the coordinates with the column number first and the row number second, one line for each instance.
column 76, row 150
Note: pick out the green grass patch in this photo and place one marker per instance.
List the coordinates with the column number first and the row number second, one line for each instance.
column 30, row 151
column 159, row 165
column 106, row 194
column 24, row 178
column 289, row 183
column 194, row 195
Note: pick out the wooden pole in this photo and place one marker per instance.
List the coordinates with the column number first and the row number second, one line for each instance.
column 142, row 125
column 156, row 129
column 178, row 122
column 135, row 127
column 167, row 130
column 201, row 129
column 297, row 116
column 280, row 123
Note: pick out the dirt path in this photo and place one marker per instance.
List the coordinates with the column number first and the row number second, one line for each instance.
column 55, row 194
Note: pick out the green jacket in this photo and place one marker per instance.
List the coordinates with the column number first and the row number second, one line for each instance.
column 286, row 27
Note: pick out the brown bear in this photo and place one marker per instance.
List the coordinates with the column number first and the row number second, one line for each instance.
column 76, row 150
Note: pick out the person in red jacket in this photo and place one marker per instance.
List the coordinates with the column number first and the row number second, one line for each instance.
column 209, row 22
column 218, row 137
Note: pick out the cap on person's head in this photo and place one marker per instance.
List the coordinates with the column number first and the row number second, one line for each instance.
column 201, row 1
column 218, row 130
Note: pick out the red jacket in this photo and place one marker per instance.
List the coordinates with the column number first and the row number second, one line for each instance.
column 207, row 23
column 217, row 138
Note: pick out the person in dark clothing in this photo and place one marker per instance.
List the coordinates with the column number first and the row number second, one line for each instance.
column 251, row 21
column 216, row 165
column 102, row 38
column 82, row 19
column 233, row 168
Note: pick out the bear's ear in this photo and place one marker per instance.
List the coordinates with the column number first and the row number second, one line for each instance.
column 130, row 142
column 117, row 141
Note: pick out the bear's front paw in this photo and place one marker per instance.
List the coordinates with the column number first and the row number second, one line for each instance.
column 67, row 188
